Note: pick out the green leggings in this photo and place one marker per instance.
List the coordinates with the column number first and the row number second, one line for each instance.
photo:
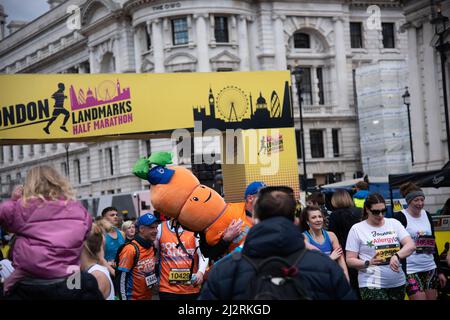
column 397, row 293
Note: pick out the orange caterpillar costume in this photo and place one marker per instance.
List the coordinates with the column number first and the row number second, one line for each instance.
column 177, row 193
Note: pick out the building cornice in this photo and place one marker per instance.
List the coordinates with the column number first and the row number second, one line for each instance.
column 380, row 3
column 81, row 45
column 28, row 38
column 8, row 167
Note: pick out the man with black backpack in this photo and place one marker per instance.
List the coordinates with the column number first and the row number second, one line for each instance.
column 274, row 263
column 136, row 261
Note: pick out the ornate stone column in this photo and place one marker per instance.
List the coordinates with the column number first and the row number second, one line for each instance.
column 341, row 62
column 280, row 48
column 157, row 42
column 243, row 43
column 137, row 33
column 202, row 42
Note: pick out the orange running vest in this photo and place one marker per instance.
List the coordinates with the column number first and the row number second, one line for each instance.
column 175, row 263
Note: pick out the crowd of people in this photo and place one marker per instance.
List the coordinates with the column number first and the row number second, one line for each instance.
column 54, row 249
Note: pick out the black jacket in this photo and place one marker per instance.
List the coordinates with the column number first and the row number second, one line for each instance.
column 341, row 221
column 322, row 277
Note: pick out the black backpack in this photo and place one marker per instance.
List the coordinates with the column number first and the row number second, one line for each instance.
column 276, row 278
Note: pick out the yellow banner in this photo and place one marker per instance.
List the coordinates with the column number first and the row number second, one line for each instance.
column 72, row 106
column 270, row 156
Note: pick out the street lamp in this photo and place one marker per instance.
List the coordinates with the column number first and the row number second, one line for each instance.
column 441, row 27
column 66, row 146
column 407, row 100
column 298, row 78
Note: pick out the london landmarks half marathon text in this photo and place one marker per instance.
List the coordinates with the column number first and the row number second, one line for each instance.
column 92, row 119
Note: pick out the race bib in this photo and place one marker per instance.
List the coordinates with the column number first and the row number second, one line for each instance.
column 425, row 244
column 179, row 276
column 151, row 280
column 386, row 252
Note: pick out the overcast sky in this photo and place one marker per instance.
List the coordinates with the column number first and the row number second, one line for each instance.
column 27, row 10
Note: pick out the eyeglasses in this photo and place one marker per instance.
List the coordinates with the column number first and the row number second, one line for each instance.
column 378, row 212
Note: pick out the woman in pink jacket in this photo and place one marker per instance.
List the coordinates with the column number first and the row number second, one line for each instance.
column 50, row 228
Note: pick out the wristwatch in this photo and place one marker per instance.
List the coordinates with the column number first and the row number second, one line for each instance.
column 366, row 263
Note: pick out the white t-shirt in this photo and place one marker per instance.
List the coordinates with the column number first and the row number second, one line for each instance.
column 420, row 231
column 385, row 240
column 97, row 267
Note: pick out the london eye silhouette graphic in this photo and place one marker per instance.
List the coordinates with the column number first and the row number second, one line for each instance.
column 232, row 104
column 232, row 108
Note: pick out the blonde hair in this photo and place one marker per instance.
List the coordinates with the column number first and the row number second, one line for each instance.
column 44, row 182
column 126, row 225
column 341, row 199
column 105, row 225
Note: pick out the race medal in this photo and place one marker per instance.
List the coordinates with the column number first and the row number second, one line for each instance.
column 386, row 252
column 425, row 244
column 151, row 280
column 179, row 276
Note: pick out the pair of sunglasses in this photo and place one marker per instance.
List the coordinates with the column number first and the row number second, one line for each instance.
column 378, row 212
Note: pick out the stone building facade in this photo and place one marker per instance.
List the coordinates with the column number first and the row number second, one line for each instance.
column 329, row 39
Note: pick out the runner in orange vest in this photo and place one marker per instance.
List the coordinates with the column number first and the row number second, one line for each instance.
column 136, row 268
column 181, row 272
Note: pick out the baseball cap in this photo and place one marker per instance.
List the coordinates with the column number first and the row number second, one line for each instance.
column 146, row 220
column 160, row 175
column 253, row 188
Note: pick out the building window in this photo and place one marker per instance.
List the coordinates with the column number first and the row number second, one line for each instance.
column 86, row 67
column 64, row 168
column 31, row 150
column 298, row 141
column 117, row 159
column 11, row 153
column 355, row 93
column 148, row 147
column 148, row 39
column 317, row 149
column 2, row 155
column 305, row 86
column 88, row 165
column 109, row 159
column 356, row 34
column 20, row 152
column 335, row 136
column 42, row 148
column 77, row 170
column 302, row 41
column 221, row 29
column 180, row 31
column 18, row 177
column 320, row 85
column 388, row 35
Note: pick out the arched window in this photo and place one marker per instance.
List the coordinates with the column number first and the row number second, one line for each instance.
column 302, row 40
column 108, row 63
